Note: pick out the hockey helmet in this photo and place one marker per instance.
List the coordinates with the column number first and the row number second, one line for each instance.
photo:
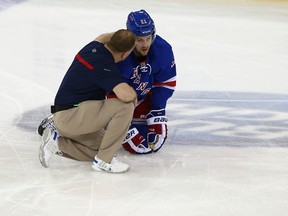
column 141, row 24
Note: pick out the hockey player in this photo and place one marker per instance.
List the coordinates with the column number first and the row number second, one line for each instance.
column 150, row 69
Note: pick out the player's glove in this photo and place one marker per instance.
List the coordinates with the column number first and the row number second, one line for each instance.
column 134, row 142
column 157, row 129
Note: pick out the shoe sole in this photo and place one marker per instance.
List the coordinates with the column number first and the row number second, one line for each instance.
column 41, row 153
column 96, row 168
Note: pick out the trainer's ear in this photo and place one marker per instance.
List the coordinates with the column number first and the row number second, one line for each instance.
column 124, row 55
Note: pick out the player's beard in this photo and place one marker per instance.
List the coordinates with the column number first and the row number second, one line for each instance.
column 141, row 53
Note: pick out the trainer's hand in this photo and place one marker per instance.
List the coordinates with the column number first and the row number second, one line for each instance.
column 125, row 92
column 133, row 142
column 157, row 129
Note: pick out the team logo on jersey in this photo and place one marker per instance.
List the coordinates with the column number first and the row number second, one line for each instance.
column 145, row 68
column 142, row 68
column 140, row 78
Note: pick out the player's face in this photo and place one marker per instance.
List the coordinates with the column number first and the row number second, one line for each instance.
column 142, row 45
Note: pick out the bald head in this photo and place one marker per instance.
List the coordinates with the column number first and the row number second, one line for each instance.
column 122, row 41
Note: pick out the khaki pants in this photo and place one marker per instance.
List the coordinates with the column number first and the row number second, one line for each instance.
column 93, row 128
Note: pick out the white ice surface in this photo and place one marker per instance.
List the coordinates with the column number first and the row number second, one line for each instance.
column 226, row 153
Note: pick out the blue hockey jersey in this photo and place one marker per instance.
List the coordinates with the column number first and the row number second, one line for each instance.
column 156, row 75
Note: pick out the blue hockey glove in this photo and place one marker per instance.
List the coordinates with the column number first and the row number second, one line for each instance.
column 157, row 129
column 134, row 142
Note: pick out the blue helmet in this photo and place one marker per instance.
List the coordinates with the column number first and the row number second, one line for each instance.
column 141, row 24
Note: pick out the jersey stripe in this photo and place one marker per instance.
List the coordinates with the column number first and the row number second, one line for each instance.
column 170, row 84
column 84, row 62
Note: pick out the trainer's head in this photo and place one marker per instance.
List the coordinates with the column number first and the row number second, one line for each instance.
column 142, row 25
column 122, row 43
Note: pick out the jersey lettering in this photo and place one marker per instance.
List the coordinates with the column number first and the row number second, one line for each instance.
column 142, row 86
column 146, row 91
